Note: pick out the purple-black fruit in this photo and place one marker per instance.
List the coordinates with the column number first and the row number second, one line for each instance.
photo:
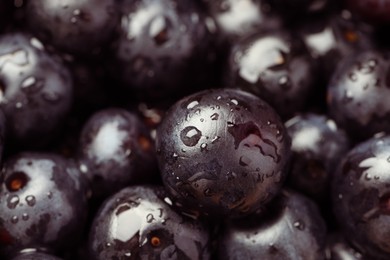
column 222, row 152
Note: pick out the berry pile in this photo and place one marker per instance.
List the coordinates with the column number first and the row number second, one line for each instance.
column 194, row 129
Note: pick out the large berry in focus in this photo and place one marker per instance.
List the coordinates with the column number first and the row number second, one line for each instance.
column 222, row 152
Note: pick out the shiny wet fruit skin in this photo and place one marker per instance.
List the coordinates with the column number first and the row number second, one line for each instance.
column 222, row 152
column 275, row 66
column 35, row 90
column 361, row 77
column 289, row 228
column 360, row 195
column 42, row 203
column 138, row 223
column 71, row 26
column 317, row 146
column 116, row 150
column 163, row 48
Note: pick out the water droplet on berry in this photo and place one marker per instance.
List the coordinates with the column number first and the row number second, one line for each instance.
column 14, row 219
column 190, row 135
column 214, row 116
column 30, row 200
column 299, row 225
column 25, row 216
column 13, row 201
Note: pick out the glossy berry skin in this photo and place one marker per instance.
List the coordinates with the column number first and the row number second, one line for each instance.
column 358, row 94
column 333, row 38
column 360, row 194
column 374, row 11
column 291, row 228
column 79, row 27
column 236, row 19
column 317, row 146
column 35, row 256
column 222, row 152
column 35, row 90
column 162, row 47
column 116, row 150
column 42, row 203
column 138, row 223
column 274, row 66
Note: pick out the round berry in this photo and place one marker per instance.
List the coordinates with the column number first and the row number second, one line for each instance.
column 138, row 223
column 222, row 152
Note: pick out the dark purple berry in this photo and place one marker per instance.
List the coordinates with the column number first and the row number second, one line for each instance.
column 35, row 90
column 291, row 228
column 222, row 152
column 116, row 150
column 317, row 146
column 274, row 66
column 361, row 197
column 162, row 47
column 73, row 26
column 42, row 203
column 358, row 94
column 138, row 223
column 238, row 18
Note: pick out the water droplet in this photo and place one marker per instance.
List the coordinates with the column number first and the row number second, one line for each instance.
column 83, row 168
column 14, row 219
column 367, row 176
column 50, row 194
column 190, row 136
column 150, row 218
column 352, row 76
column 230, row 124
column 13, row 201
column 36, row 43
column 128, row 254
column 192, row 104
column 203, row 147
column 234, row 101
column 28, row 82
column 25, row 216
column 284, row 82
column 215, row 139
column 30, row 200
column 214, row 116
column 299, row 225
column 219, row 98
column 168, row 201
column 108, row 244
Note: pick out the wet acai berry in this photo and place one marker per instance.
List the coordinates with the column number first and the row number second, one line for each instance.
column 35, row 90
column 116, row 150
column 222, row 152
column 317, row 146
column 360, row 193
column 274, row 66
column 138, row 223
column 80, row 27
column 358, row 94
column 162, row 45
column 291, row 228
column 42, row 203
column 236, row 19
